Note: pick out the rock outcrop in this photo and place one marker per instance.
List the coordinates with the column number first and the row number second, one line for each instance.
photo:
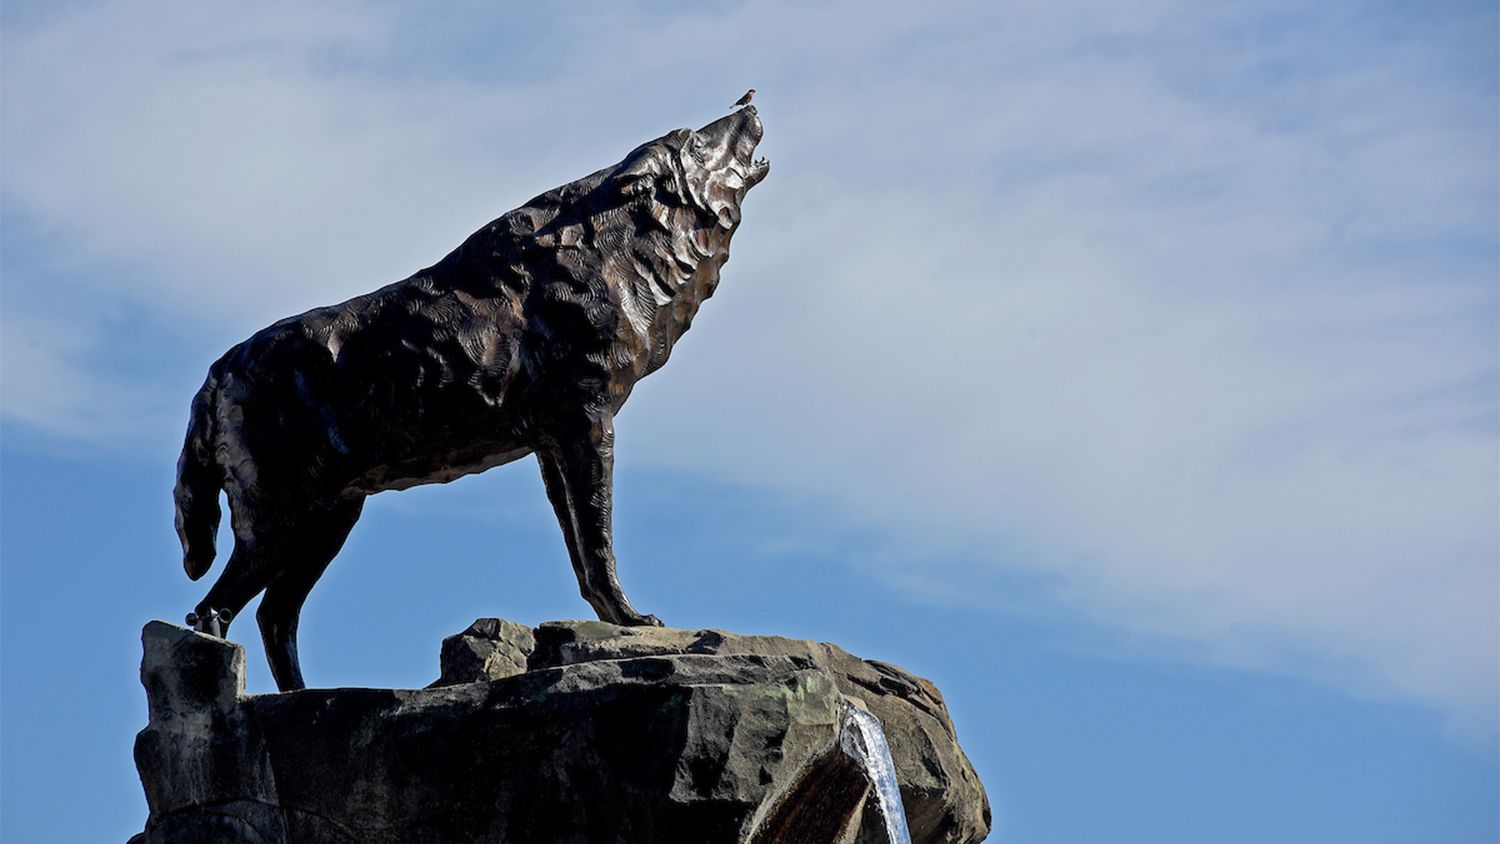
column 572, row 732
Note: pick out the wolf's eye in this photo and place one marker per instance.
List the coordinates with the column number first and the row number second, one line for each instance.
column 696, row 145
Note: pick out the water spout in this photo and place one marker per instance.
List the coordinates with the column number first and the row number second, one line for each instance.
column 862, row 738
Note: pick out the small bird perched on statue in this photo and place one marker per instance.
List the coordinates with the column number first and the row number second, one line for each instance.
column 745, row 100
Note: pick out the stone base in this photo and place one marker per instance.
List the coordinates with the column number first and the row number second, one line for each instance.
column 574, row 731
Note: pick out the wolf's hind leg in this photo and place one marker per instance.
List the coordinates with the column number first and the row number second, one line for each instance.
column 318, row 541
column 248, row 571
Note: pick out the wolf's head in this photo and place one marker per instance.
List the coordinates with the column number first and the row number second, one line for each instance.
column 711, row 169
column 691, row 184
column 658, row 223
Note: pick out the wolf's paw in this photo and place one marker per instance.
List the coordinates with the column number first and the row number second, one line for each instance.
column 212, row 622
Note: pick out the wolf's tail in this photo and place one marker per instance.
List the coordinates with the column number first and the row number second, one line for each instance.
column 199, row 479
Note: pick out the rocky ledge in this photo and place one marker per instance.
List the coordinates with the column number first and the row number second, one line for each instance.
column 575, row 731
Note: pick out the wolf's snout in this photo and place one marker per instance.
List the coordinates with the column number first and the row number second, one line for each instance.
column 741, row 130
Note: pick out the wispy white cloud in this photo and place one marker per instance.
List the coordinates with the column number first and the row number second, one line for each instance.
column 48, row 385
column 1190, row 308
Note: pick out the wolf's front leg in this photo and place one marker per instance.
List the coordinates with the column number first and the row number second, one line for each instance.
column 578, row 470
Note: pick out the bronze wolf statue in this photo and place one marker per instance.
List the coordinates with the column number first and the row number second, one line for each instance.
column 526, row 339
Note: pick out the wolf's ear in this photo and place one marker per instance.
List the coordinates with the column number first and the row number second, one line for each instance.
column 638, row 176
column 634, row 184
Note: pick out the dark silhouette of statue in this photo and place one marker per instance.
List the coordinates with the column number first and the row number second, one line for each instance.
column 526, row 339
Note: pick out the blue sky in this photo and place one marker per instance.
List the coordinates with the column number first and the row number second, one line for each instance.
column 1128, row 368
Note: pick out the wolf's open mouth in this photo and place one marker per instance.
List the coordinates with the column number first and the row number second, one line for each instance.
column 758, row 170
column 742, row 131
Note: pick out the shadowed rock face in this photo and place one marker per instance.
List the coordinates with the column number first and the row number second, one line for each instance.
column 573, row 732
column 526, row 339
